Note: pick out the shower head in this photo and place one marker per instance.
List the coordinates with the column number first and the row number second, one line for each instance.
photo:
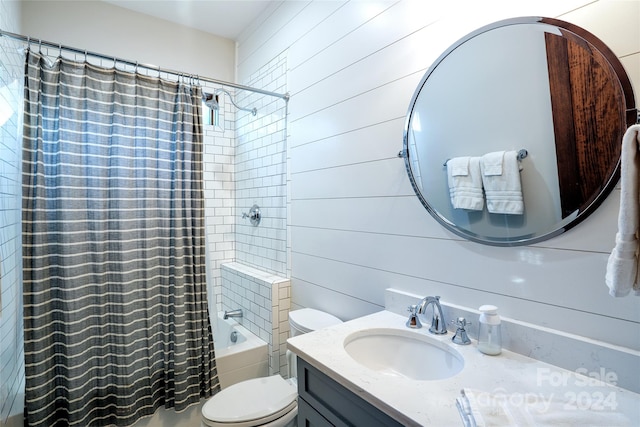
column 210, row 101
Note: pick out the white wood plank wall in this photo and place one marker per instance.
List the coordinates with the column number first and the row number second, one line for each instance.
column 355, row 225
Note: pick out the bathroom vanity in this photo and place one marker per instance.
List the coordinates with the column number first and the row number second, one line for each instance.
column 338, row 386
column 324, row 402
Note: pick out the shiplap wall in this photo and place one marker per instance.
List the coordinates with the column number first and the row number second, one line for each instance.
column 357, row 228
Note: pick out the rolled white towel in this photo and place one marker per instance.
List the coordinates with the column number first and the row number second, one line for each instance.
column 622, row 266
column 465, row 183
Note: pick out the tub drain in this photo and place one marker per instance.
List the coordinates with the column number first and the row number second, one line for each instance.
column 234, row 336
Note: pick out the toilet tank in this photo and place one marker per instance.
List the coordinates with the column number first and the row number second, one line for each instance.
column 303, row 321
column 308, row 320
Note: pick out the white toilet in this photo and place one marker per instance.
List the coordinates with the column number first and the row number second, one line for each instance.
column 269, row 401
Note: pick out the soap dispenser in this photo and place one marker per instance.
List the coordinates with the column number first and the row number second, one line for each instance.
column 489, row 335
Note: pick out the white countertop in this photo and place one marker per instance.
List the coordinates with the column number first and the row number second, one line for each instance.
column 420, row 403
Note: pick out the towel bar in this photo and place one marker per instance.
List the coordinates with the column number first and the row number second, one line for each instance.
column 522, row 153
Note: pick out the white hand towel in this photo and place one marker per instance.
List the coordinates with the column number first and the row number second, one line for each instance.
column 535, row 409
column 622, row 267
column 502, row 186
column 465, row 183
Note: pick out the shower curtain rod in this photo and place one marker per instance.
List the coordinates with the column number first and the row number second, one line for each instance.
column 156, row 68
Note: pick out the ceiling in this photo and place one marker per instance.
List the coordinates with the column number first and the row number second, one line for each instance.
column 224, row 18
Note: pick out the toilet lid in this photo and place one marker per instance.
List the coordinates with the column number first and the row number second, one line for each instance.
column 252, row 399
column 308, row 319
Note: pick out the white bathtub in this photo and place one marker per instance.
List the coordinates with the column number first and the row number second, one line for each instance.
column 247, row 358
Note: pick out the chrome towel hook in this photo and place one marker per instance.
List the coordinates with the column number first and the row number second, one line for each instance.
column 253, row 215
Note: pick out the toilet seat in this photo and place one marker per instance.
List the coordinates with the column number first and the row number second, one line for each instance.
column 257, row 401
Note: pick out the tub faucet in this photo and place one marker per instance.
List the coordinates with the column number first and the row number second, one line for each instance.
column 232, row 313
column 438, row 325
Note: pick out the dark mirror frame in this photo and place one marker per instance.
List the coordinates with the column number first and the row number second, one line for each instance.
column 587, row 142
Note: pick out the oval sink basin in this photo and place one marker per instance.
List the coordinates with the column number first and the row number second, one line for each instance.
column 404, row 354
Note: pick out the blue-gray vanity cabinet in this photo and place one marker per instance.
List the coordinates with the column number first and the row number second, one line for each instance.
column 324, row 402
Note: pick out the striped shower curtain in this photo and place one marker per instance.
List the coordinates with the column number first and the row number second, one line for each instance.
column 115, row 312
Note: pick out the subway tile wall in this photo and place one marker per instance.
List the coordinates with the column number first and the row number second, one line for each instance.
column 260, row 168
column 245, row 164
column 265, row 300
column 11, row 335
column 219, row 194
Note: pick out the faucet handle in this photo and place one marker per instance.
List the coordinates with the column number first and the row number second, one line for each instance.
column 413, row 321
column 460, row 322
column 460, row 337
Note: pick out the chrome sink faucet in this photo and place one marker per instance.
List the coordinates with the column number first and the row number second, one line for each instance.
column 232, row 313
column 438, row 325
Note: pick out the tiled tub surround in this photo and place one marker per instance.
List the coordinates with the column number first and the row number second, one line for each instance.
column 219, row 195
column 11, row 337
column 260, row 173
column 518, row 379
column 265, row 300
column 241, row 360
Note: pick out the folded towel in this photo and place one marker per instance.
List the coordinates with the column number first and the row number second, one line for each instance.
column 479, row 408
column 492, row 163
column 467, row 412
column 622, row 266
column 496, row 409
column 504, row 190
column 465, row 183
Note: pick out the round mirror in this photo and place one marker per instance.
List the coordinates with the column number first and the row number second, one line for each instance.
column 514, row 133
